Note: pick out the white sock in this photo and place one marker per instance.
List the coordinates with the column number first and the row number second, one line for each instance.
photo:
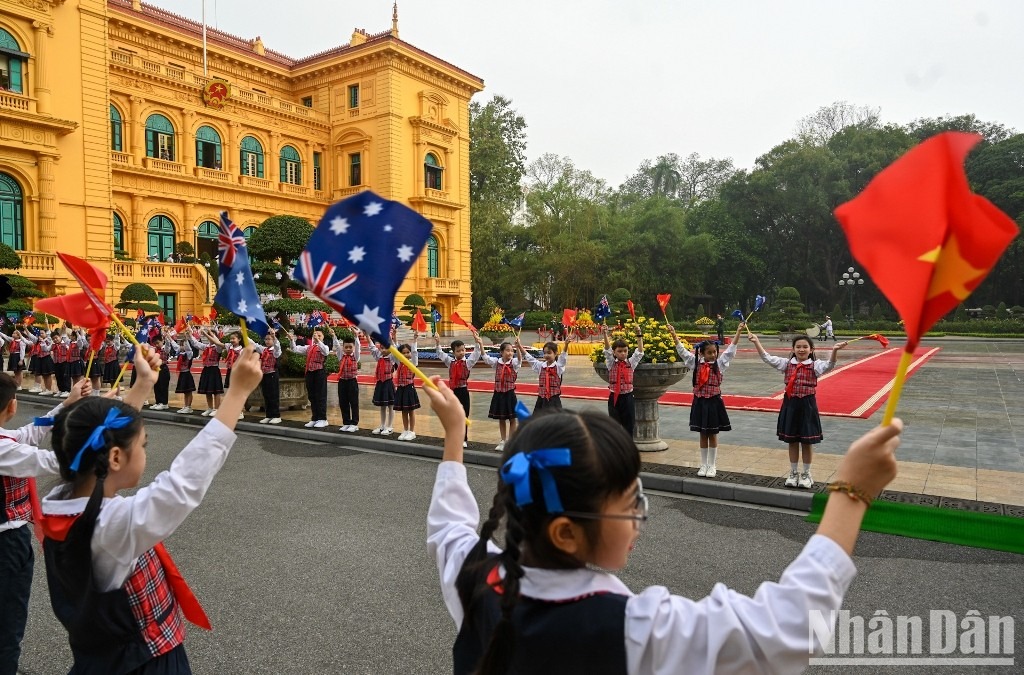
column 703, row 456
column 793, row 466
column 807, row 467
column 712, row 455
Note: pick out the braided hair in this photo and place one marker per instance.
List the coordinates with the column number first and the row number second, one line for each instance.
column 605, row 463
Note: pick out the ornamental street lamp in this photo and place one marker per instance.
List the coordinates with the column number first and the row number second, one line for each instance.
column 207, row 266
column 851, row 278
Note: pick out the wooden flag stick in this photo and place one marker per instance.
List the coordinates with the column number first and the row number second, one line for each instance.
column 897, row 386
column 120, row 375
column 245, row 332
column 88, row 368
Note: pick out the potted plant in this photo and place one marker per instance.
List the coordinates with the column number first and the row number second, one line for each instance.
column 496, row 329
column 659, row 370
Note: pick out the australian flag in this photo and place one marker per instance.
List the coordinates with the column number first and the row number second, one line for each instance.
column 316, row 318
column 435, row 315
column 518, row 321
column 236, row 289
column 603, row 310
column 358, row 257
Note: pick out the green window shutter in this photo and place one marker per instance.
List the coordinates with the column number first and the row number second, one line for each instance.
column 15, row 66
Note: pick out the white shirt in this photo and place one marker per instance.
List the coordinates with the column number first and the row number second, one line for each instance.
column 725, row 632
column 471, row 357
column 539, row 366
column 689, row 360
column 21, row 458
column 634, row 360
column 127, row 527
column 821, row 366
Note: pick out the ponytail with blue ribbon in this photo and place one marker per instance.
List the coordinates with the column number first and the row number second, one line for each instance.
column 516, row 473
column 96, row 441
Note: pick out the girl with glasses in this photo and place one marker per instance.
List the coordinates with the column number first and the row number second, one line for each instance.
column 571, row 503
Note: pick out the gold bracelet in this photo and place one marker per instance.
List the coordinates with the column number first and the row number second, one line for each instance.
column 850, row 489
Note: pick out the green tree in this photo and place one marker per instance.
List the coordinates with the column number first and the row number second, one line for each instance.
column 138, row 296
column 277, row 242
column 1001, row 312
column 789, row 306
column 9, row 260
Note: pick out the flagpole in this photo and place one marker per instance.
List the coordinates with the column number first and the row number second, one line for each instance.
column 897, row 386
column 130, row 335
column 206, row 71
column 88, row 369
column 245, row 332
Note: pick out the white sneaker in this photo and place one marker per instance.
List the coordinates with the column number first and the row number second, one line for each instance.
column 320, row 424
column 241, row 416
column 185, row 410
column 212, row 412
column 377, row 431
column 712, row 471
column 792, row 479
column 805, row 480
column 352, row 428
column 264, row 420
column 402, row 436
column 387, row 431
column 309, row 424
column 160, row 406
column 34, row 390
column 45, row 392
column 65, row 394
column 703, row 470
column 465, row 444
column 274, row 420
column 500, row 446
column 411, row 436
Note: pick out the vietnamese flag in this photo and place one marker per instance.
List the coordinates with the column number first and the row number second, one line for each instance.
column 418, row 323
column 213, row 314
column 180, row 325
column 926, row 240
column 663, row 302
column 78, row 308
column 632, row 311
column 455, row 318
column 569, row 317
column 92, row 280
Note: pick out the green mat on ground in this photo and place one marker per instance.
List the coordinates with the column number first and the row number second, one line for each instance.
column 952, row 526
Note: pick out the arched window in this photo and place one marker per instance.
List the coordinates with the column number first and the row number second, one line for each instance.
column 159, row 138
column 12, row 213
column 248, row 232
column 252, row 157
column 206, row 239
column 291, row 166
column 208, row 148
column 116, row 129
column 12, row 64
column 161, row 237
column 118, row 233
column 433, row 270
column 208, row 230
column 432, row 172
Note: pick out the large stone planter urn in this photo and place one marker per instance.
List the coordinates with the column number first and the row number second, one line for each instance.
column 650, row 381
column 293, row 396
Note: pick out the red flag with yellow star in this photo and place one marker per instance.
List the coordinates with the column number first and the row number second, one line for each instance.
column 926, row 240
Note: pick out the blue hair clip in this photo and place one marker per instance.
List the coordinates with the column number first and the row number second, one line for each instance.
column 516, row 472
column 96, row 442
column 522, row 412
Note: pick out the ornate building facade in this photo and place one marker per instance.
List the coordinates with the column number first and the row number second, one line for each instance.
column 121, row 136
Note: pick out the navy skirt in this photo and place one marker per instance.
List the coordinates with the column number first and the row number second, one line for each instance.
column 799, row 421
column 503, row 405
column 45, row 365
column 14, row 362
column 76, row 368
column 210, row 381
column 384, row 394
column 186, row 383
column 33, row 364
column 406, row 397
column 709, row 416
column 110, row 371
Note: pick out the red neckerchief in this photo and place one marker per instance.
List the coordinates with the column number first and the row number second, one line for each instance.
column 620, row 369
column 458, row 368
column 792, row 381
column 703, row 374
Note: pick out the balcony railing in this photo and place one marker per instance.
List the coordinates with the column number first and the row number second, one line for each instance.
column 9, row 101
column 253, row 181
column 163, row 165
column 120, row 157
column 341, row 193
column 440, row 286
column 38, row 262
column 212, row 174
column 290, row 189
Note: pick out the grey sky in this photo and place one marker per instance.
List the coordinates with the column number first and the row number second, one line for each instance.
column 609, row 83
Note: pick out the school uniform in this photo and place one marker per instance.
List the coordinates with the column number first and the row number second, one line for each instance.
column 161, row 388
column 459, row 371
column 76, row 365
column 621, row 405
column 348, row 384
column 549, row 383
column 503, row 400
column 316, row 378
column 16, row 353
column 210, row 381
column 229, row 362
column 119, row 597
column 799, row 420
column 406, row 397
column 61, row 355
column 33, row 355
column 270, row 385
column 45, row 364
column 186, row 380
column 111, row 363
column 707, row 412
column 568, row 620
column 383, row 385
column 21, row 460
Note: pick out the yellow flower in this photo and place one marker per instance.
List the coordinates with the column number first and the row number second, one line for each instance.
column 671, row 359
column 654, row 360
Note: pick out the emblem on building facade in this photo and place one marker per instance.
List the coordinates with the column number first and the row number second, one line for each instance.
column 216, row 93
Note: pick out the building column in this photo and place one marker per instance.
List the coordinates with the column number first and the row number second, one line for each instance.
column 232, row 151
column 307, row 170
column 47, row 205
column 42, row 80
column 187, row 152
column 272, row 159
column 136, row 130
column 139, row 248
column 417, row 162
column 188, row 230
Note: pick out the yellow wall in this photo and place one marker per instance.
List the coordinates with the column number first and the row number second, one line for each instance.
column 55, row 139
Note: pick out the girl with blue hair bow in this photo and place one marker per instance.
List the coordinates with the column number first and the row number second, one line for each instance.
column 570, row 499
column 112, row 584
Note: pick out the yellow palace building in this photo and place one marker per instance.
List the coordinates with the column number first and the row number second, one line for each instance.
column 120, row 135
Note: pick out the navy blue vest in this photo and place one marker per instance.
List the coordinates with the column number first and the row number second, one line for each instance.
column 586, row 635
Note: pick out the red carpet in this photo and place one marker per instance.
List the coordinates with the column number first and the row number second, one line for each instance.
column 855, row 389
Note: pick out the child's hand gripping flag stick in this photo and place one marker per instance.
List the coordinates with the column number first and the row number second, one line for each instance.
column 926, row 240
